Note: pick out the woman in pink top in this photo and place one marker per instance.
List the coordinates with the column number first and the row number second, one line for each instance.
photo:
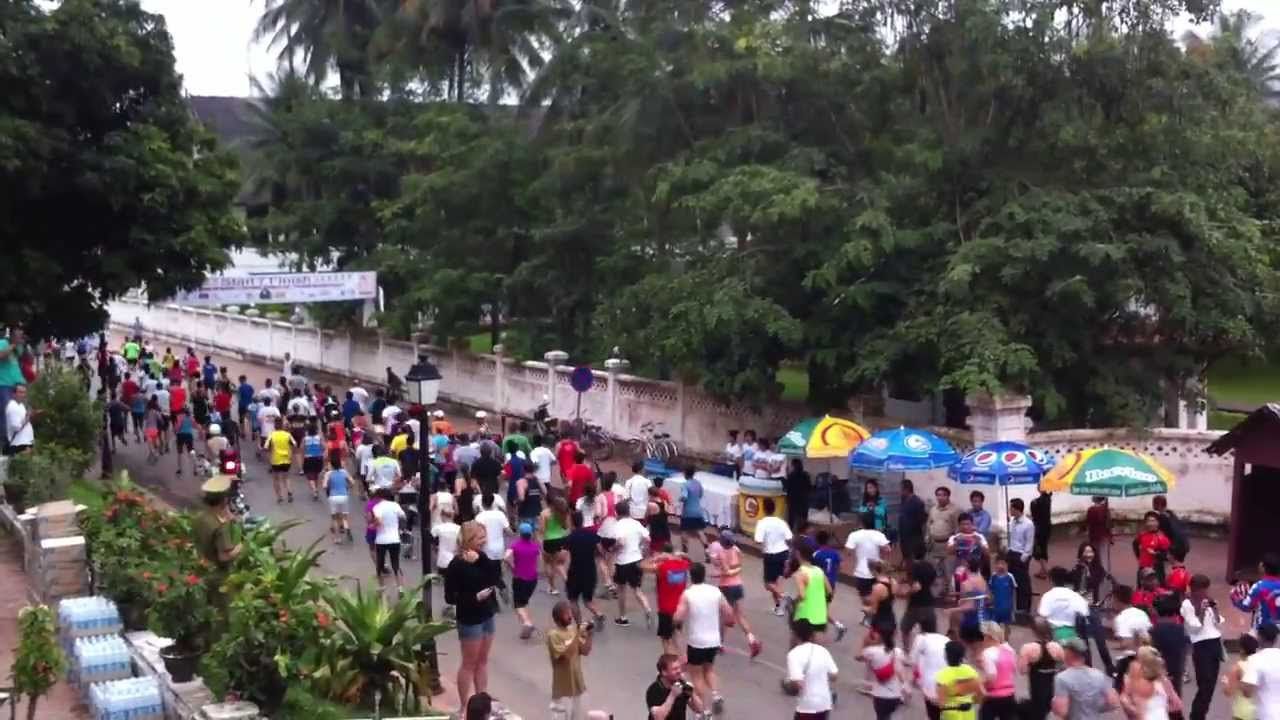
column 522, row 557
column 725, row 556
column 998, row 665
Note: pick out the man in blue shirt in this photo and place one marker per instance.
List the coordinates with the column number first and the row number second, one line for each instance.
column 210, row 372
column 981, row 518
column 350, row 408
column 244, row 398
column 1022, row 533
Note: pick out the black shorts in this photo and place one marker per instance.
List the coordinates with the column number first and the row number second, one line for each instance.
column 244, row 411
column 732, row 593
column 607, row 543
column 692, row 524
column 775, row 564
column 627, row 574
column 863, row 585
column 814, row 627
column 193, row 375
column 553, row 547
column 521, row 591
column 384, row 551
column 579, row 588
column 281, row 468
column 701, row 656
column 298, row 434
column 185, row 441
column 312, row 465
column 666, row 626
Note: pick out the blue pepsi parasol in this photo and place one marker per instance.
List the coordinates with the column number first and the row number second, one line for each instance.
column 1003, row 462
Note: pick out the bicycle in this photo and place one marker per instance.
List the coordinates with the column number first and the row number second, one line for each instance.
column 595, row 442
column 652, row 444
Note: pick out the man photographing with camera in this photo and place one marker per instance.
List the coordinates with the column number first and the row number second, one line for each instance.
column 671, row 696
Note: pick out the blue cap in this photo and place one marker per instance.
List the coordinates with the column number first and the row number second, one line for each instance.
column 526, row 528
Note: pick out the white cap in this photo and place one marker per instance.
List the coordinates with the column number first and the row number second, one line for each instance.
column 480, row 414
column 438, row 413
column 215, row 429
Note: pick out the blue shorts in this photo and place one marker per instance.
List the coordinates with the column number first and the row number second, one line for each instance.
column 478, row 631
column 1001, row 615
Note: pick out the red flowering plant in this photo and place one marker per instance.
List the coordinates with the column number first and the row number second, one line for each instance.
column 126, row 534
column 180, row 609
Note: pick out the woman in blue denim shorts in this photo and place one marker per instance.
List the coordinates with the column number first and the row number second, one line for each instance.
column 470, row 585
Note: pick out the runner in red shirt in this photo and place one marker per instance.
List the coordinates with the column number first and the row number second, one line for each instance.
column 128, row 389
column 672, row 572
column 222, row 401
column 566, row 453
column 177, row 398
column 578, row 477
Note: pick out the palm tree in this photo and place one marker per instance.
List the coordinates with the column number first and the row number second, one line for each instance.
column 1235, row 43
column 326, row 34
column 499, row 42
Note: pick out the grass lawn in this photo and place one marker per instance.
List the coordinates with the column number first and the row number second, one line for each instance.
column 1235, row 382
column 795, row 382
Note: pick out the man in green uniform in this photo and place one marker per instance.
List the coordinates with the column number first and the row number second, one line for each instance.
column 213, row 527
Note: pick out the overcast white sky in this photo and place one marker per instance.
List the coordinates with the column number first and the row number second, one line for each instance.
column 216, row 55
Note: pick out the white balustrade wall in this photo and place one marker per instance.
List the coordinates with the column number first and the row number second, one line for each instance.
column 618, row 402
column 621, row 403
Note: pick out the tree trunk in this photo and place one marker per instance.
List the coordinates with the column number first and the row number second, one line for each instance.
column 460, row 72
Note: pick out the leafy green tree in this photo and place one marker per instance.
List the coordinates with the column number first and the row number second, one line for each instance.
column 109, row 183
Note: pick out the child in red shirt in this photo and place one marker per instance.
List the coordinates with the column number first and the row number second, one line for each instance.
column 1178, row 579
column 1151, row 546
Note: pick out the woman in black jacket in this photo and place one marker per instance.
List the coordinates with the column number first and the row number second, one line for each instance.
column 470, row 585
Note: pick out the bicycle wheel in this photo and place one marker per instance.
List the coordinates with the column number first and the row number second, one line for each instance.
column 669, row 449
column 635, row 448
column 603, row 445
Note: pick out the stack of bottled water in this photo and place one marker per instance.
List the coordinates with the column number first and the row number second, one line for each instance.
column 132, row 699
column 99, row 658
column 85, row 616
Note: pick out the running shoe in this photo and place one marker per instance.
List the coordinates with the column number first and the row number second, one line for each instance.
column 622, row 621
column 290, row 497
column 717, row 704
column 777, row 610
column 526, row 632
column 648, row 618
column 840, row 630
column 789, row 606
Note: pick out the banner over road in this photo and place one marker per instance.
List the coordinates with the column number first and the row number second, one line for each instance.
column 282, row 288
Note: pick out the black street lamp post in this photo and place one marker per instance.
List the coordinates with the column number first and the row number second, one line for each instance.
column 423, row 386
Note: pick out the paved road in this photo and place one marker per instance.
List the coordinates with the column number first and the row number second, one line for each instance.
column 622, row 664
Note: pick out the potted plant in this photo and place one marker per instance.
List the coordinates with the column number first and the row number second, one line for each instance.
column 373, row 653
column 180, row 610
column 39, row 661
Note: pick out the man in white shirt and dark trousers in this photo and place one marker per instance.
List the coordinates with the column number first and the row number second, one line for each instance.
column 1201, row 619
column 774, row 536
column 1062, row 606
column 1022, row 535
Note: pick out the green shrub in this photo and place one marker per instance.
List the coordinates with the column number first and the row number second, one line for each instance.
column 46, row 472
column 39, row 660
column 65, row 416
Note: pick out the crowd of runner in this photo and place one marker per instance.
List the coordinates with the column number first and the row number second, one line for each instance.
column 513, row 513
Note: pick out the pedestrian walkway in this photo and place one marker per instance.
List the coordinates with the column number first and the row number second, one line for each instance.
column 62, row 702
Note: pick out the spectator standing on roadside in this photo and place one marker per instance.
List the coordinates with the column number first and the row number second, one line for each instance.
column 912, row 516
column 1021, row 545
column 797, row 486
column 1097, row 523
column 1042, row 519
column 671, row 696
column 943, row 522
column 1151, row 547
column 19, row 433
column 567, row 643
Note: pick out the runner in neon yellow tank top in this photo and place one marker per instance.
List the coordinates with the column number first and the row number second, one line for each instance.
column 813, row 589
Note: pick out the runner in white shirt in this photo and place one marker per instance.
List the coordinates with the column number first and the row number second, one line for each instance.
column 268, row 416
column 1130, row 625
column 702, row 610
column 774, row 536
column 361, row 396
column 497, row 527
column 631, row 538
column 638, row 491
column 810, row 672
column 388, row 515
column 866, row 544
column 542, row 458
column 1261, row 677
column 269, row 391
column 928, row 655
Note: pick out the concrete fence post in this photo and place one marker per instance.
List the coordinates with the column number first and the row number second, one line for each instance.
column 553, row 358
column 614, row 367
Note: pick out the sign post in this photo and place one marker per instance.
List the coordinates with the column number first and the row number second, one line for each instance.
column 581, row 380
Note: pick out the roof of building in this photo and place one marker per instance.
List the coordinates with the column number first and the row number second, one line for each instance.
column 1264, row 419
column 232, row 119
